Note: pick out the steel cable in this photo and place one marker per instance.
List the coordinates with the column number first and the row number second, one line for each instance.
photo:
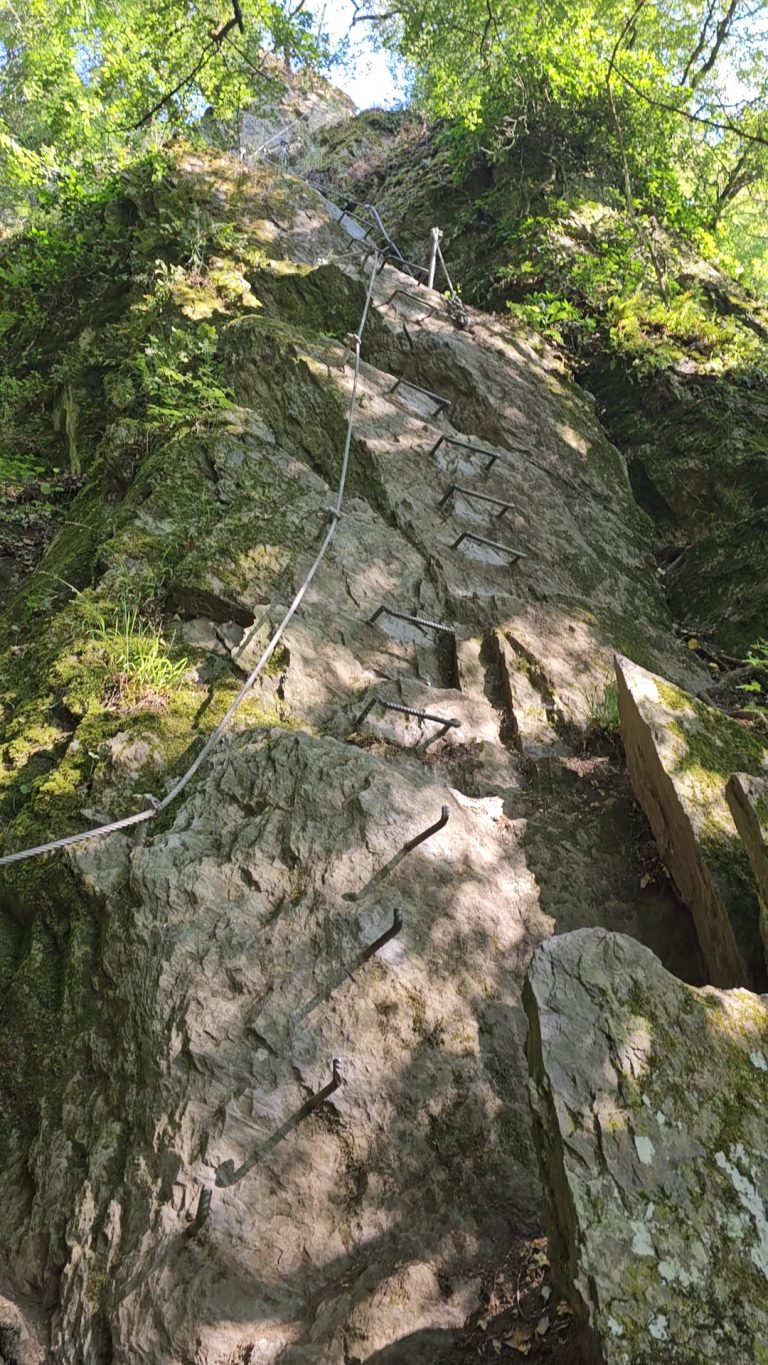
column 158, row 806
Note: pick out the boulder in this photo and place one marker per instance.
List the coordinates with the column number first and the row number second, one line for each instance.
column 748, row 800
column 680, row 754
column 649, row 1100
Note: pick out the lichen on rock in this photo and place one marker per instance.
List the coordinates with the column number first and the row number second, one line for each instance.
column 649, row 1108
column 680, row 755
column 748, row 799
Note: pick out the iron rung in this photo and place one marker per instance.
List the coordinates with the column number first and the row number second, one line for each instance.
column 407, row 294
column 491, row 455
column 413, row 620
column 494, row 544
column 482, row 497
column 440, row 403
column 448, row 722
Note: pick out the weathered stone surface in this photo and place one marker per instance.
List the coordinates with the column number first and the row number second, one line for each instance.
column 649, row 1099
column 169, row 1000
column 748, row 800
column 680, row 754
column 530, row 699
column 19, row 1341
column 302, row 103
column 248, row 917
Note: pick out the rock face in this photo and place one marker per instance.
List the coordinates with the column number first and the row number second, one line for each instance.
column 680, row 754
column 748, row 800
column 281, row 127
column 650, row 1108
column 170, row 1002
column 694, row 440
column 249, row 919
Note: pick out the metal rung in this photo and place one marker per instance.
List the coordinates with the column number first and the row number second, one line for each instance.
column 368, row 246
column 364, row 222
column 399, row 262
column 482, row 497
column 369, row 249
column 494, row 544
column 392, row 932
column 407, row 294
column 413, row 620
column 448, row 722
column 441, row 403
column 427, row 833
column 392, row 246
column 491, row 455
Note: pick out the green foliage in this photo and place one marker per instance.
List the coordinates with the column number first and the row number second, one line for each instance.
column 556, row 318
column 757, row 687
column 654, row 335
column 577, row 275
column 98, row 328
column 83, row 83
column 603, row 721
column 136, row 653
column 658, row 99
column 179, row 375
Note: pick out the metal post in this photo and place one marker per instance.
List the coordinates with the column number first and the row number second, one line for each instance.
column 434, row 239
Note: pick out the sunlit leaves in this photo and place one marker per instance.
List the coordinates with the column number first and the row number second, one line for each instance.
column 77, row 76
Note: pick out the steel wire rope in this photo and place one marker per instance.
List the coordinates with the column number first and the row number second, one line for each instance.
column 158, row 806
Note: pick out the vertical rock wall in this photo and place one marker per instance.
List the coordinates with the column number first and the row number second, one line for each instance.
column 197, row 981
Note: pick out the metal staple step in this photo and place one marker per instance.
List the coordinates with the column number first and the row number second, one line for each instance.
column 494, row 544
column 482, row 497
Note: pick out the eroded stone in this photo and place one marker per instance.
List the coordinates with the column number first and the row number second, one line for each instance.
column 650, row 1123
column 748, row 800
column 680, row 754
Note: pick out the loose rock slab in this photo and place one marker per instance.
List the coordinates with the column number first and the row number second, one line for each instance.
column 680, row 754
column 748, row 800
column 649, row 1099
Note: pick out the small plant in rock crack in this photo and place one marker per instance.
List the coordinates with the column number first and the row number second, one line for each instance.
column 603, row 713
column 136, row 654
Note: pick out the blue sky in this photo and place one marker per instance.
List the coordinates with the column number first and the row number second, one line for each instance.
column 367, row 76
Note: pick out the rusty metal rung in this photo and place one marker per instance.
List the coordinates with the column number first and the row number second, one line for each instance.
column 440, row 403
column 494, row 544
column 392, row 932
column 482, row 497
column 447, row 721
column 422, row 621
column 490, row 455
column 426, row 833
column 408, row 294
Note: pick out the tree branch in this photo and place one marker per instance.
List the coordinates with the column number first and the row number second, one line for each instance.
column 260, row 71
column 741, row 175
column 359, row 18
column 700, row 45
column 692, row 118
column 643, row 237
column 209, row 51
column 721, row 33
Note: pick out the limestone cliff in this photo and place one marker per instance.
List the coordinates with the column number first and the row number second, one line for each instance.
column 536, row 226
column 654, row 1137
column 173, row 999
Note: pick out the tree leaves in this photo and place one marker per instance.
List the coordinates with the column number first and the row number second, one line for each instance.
column 688, row 79
column 82, row 80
